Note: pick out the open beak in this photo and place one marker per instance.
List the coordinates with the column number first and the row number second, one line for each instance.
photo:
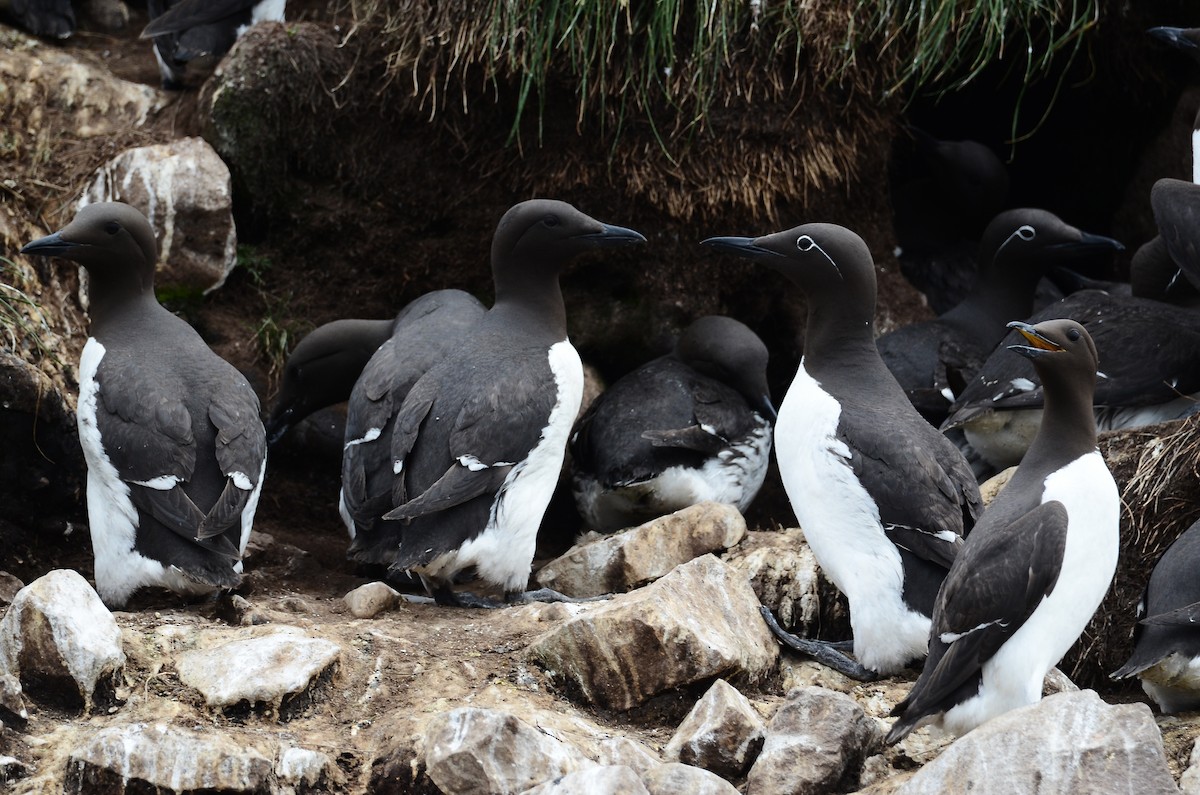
column 1038, row 345
column 740, row 247
column 49, row 246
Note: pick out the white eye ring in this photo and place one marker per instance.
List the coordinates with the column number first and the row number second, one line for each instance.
column 805, row 243
column 1027, row 233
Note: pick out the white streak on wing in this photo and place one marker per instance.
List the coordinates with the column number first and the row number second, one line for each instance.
column 1196, row 157
column 475, row 465
column 371, row 435
column 710, row 430
column 160, row 483
column 948, row 393
column 950, row 637
column 1022, row 384
column 241, row 480
column 397, row 466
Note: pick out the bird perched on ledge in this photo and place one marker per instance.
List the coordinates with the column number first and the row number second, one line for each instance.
column 170, row 431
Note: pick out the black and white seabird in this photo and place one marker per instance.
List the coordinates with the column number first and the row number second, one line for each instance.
column 1151, row 373
column 189, row 29
column 1036, row 566
column 476, row 446
column 170, row 431
column 882, row 497
column 1166, row 639
column 53, row 18
column 323, row 368
column 690, row 426
column 934, row 361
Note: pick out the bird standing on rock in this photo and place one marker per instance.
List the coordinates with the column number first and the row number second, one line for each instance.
column 1038, row 563
column 170, row 431
column 690, row 426
column 477, row 444
column 882, row 497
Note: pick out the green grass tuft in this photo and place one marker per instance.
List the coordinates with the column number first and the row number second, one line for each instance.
column 21, row 319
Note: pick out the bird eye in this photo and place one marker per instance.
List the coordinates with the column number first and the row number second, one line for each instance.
column 112, row 227
column 1026, row 233
column 551, row 220
column 1073, row 335
column 805, row 243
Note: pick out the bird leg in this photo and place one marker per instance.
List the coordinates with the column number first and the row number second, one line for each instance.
column 444, row 595
column 823, row 652
column 547, row 595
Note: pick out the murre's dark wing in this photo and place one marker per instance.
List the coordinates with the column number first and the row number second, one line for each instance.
column 147, row 433
column 1002, row 575
column 1176, row 205
column 188, row 14
column 241, row 449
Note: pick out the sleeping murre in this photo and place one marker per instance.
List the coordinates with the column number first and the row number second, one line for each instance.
column 689, row 426
column 882, row 497
column 1036, row 565
column 171, row 432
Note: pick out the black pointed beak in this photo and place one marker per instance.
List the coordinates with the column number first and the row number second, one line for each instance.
column 740, row 247
column 1089, row 242
column 49, row 246
column 1038, row 346
column 1176, row 37
column 278, row 425
column 610, row 235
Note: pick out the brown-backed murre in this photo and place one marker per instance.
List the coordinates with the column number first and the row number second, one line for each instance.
column 882, row 497
column 171, row 432
column 689, row 426
column 1037, row 564
column 188, row 29
column 478, row 443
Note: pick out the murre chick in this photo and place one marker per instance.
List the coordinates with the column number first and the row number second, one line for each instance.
column 477, row 444
column 882, row 497
column 170, row 431
column 935, row 360
column 189, row 29
column 323, row 368
column 689, row 426
column 1166, row 639
column 1036, row 565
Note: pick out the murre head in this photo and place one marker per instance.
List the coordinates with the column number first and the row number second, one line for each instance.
column 829, row 262
column 1030, row 239
column 1061, row 350
column 727, row 350
column 112, row 240
column 548, row 232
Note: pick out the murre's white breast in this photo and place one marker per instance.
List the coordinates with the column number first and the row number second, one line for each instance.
column 841, row 524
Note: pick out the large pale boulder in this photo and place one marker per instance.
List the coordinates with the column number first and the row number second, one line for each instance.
column 274, row 668
column 816, row 743
column 471, row 751
column 630, row 559
column 599, row 780
column 184, row 189
column 675, row 777
column 59, row 640
column 723, row 733
column 1071, row 742
column 699, row 622
column 160, row 758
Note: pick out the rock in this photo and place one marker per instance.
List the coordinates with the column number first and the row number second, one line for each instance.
column 9, row 585
column 699, row 622
column 1065, row 743
column 993, row 485
column 108, row 14
column 184, row 189
column 61, row 643
column 303, row 771
column 674, row 777
column 630, row 559
column 158, row 758
column 1189, row 782
column 723, row 733
column 368, row 601
column 624, row 751
column 1058, row 682
column 816, row 743
column 12, row 702
column 606, row 780
column 786, row 578
column 470, row 751
column 274, row 667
